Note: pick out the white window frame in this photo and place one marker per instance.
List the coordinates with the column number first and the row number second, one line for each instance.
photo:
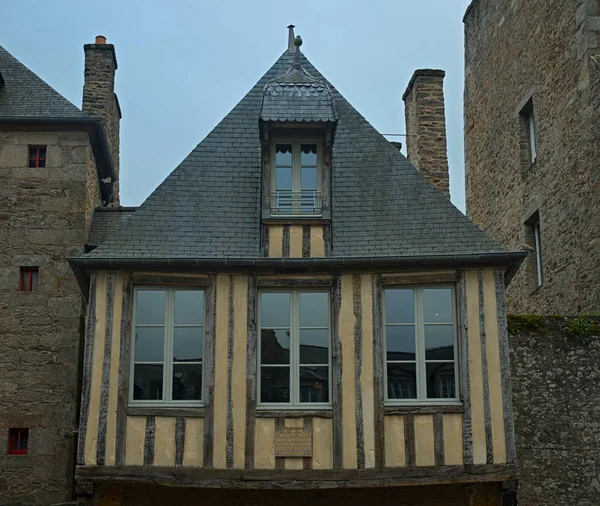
column 537, row 235
column 294, row 366
column 167, row 363
column 420, row 362
column 532, row 143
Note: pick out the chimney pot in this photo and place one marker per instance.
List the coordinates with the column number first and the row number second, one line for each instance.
column 100, row 39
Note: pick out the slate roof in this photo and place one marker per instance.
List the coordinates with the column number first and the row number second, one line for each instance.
column 25, row 95
column 106, row 221
column 209, row 206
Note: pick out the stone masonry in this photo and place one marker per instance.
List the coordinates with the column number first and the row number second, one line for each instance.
column 426, row 126
column 540, row 57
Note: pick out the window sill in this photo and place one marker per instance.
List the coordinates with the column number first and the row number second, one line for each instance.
column 426, row 409
column 191, row 411
column 294, row 413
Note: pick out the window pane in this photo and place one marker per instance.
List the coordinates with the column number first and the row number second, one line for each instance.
column 34, row 280
column 440, row 381
column 314, row 384
column 187, row 344
column 283, row 154
column 400, row 342
column 283, row 178
column 437, row 305
column 150, row 307
column 308, row 154
column 439, row 342
column 275, row 310
column 314, row 309
column 314, row 346
column 189, row 307
column 308, row 178
column 187, row 382
column 402, row 381
column 147, row 382
column 399, row 306
column 23, row 436
column 275, row 384
column 274, row 346
column 149, row 344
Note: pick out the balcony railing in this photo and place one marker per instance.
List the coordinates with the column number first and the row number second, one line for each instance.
column 290, row 203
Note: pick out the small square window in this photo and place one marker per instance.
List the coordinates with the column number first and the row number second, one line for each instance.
column 29, row 279
column 18, row 440
column 37, row 156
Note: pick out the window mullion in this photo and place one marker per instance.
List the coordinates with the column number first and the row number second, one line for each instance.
column 168, row 365
column 294, row 349
column 420, row 336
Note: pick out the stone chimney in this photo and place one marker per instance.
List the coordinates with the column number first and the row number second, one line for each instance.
column 426, row 126
column 99, row 98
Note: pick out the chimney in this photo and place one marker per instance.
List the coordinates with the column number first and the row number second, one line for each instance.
column 99, row 98
column 426, row 126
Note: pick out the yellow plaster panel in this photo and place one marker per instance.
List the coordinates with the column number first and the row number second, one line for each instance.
column 91, row 437
column 493, row 362
column 193, row 448
column 453, row 442
column 115, row 352
column 322, row 443
column 475, row 368
column 275, row 241
column 238, row 387
column 346, row 335
column 317, row 242
column 264, row 443
column 164, row 440
column 134, row 441
column 220, row 389
column 393, row 428
column 366, row 377
column 424, row 440
column 296, row 241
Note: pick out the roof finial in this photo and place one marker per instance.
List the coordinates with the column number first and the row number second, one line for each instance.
column 291, row 38
column 297, row 43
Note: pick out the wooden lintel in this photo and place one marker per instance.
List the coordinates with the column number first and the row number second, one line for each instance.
column 262, row 413
column 415, row 279
column 150, row 279
column 422, row 410
column 160, row 411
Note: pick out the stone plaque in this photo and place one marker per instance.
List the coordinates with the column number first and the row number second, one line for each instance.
column 293, row 442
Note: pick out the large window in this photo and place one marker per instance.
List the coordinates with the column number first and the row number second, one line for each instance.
column 168, row 346
column 296, row 189
column 420, row 344
column 294, row 349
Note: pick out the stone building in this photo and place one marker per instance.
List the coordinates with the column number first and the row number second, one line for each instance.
column 57, row 164
column 532, row 144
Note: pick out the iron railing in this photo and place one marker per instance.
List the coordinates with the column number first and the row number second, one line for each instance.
column 290, row 203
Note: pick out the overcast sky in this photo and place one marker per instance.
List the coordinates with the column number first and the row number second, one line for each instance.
column 183, row 65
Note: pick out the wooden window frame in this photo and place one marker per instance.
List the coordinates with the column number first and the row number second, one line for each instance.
column 420, row 360
column 39, row 162
column 167, row 362
column 17, row 451
column 294, row 365
column 26, row 275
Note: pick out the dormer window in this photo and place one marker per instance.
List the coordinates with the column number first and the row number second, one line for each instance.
column 296, row 186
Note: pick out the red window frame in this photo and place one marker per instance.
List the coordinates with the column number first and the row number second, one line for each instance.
column 37, row 156
column 15, row 438
column 26, row 279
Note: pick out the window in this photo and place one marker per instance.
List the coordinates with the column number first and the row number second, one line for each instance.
column 294, row 350
column 37, row 156
column 538, row 252
column 296, row 188
column 168, row 346
column 17, row 441
column 420, row 344
column 528, row 132
column 29, row 278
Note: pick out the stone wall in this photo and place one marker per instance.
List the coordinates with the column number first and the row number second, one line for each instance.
column 542, row 53
column 556, row 401
column 44, row 218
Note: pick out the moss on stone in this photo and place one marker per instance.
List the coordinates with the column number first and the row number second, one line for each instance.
column 524, row 322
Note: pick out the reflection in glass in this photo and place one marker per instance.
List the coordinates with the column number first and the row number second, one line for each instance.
column 274, row 384
column 400, row 342
column 187, row 382
column 283, row 154
column 147, row 382
column 149, row 344
column 314, row 384
column 308, row 178
column 308, row 155
column 150, row 307
column 439, row 342
column 314, row 309
column 275, row 310
column 399, row 305
column 283, row 178
column 274, row 346
column 314, row 346
column 437, row 305
column 440, row 380
column 189, row 307
column 402, row 381
column 187, row 345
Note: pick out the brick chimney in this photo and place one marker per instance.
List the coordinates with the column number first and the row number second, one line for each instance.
column 426, row 126
column 99, row 98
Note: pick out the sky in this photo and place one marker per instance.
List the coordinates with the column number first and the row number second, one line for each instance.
column 183, row 64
